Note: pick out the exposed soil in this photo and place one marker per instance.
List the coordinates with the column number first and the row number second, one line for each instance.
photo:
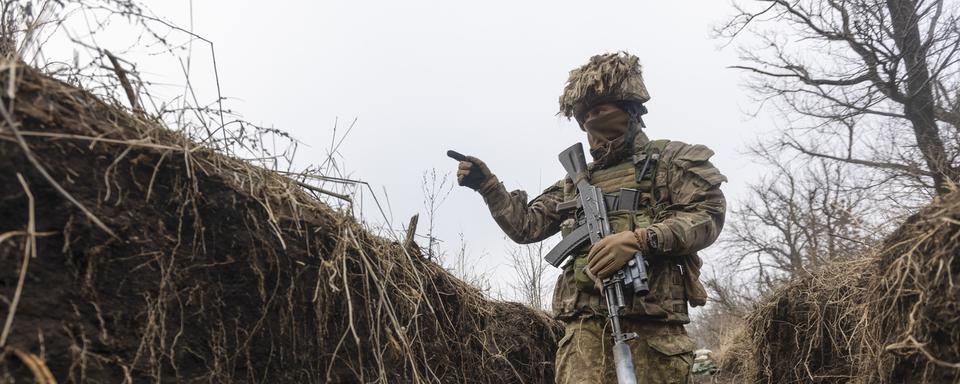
column 218, row 271
column 891, row 316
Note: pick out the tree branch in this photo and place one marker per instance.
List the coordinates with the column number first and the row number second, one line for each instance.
column 875, row 164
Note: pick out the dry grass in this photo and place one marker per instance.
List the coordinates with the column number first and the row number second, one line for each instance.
column 165, row 260
column 892, row 316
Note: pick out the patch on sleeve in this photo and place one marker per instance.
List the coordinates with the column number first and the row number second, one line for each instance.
column 695, row 159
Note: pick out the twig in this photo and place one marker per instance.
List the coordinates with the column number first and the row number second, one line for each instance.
column 323, row 191
column 36, row 164
column 125, row 83
column 153, row 177
column 41, row 374
column 29, row 249
column 7, row 235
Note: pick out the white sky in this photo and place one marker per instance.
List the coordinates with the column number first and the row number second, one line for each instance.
column 424, row 76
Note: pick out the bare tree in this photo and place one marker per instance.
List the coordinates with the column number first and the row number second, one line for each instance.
column 730, row 301
column 436, row 188
column 464, row 267
column 532, row 273
column 871, row 83
column 799, row 218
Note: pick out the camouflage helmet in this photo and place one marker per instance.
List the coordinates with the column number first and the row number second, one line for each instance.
column 606, row 78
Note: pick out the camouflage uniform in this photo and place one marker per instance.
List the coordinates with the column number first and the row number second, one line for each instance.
column 660, row 354
column 680, row 202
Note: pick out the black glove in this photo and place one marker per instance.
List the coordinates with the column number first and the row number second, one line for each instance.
column 472, row 173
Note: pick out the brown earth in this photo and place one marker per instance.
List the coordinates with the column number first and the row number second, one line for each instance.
column 891, row 316
column 216, row 271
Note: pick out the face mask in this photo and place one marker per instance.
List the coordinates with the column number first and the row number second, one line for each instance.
column 606, row 127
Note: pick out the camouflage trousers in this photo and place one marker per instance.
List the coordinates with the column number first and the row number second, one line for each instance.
column 662, row 353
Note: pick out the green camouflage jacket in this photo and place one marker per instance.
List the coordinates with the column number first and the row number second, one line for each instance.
column 681, row 202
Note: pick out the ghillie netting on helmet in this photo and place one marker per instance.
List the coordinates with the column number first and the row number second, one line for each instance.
column 891, row 316
column 133, row 252
column 605, row 77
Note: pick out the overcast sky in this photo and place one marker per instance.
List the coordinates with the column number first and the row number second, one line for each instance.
column 481, row 77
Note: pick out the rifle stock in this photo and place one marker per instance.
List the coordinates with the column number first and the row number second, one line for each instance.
column 573, row 161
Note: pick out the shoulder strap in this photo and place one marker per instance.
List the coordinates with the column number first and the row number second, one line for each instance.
column 646, row 158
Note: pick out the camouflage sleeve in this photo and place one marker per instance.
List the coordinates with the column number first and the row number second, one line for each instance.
column 694, row 217
column 523, row 222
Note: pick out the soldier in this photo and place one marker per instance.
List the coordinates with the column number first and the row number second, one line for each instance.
column 680, row 210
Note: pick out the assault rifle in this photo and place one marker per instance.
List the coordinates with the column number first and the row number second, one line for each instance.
column 595, row 227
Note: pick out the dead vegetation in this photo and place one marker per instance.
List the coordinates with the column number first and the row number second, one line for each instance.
column 131, row 253
column 892, row 316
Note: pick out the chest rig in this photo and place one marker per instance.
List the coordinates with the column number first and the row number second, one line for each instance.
column 633, row 202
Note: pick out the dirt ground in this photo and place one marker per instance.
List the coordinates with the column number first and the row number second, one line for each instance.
column 204, row 268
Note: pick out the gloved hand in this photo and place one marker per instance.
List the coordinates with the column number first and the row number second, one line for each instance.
column 472, row 173
column 611, row 253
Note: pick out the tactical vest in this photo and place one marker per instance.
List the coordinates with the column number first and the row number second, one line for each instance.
column 575, row 294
